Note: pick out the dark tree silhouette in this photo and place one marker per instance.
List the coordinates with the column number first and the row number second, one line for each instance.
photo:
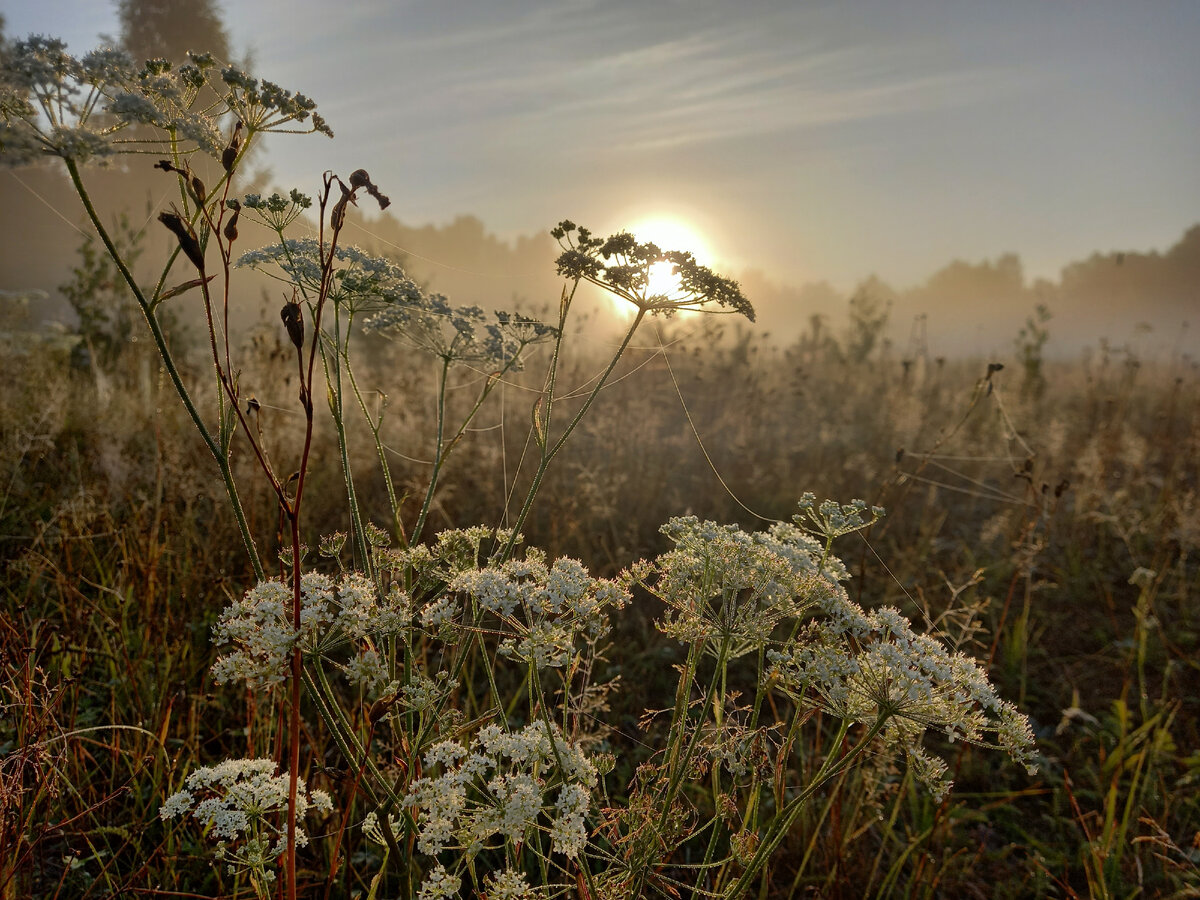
column 170, row 28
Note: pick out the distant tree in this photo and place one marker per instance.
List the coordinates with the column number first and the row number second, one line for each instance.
column 170, row 28
column 109, row 318
column 869, row 314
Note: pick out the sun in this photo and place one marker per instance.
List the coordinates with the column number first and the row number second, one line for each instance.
column 672, row 234
column 668, row 234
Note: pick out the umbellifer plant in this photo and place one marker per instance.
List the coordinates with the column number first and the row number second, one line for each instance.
column 458, row 675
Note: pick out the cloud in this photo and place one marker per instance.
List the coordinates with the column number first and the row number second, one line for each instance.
column 659, row 80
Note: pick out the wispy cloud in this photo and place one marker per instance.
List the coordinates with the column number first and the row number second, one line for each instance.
column 659, row 81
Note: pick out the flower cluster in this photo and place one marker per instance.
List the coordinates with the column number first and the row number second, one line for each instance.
column 460, row 333
column 543, row 609
column 49, row 100
column 364, row 282
column 75, row 108
column 622, row 266
column 729, row 588
column 499, row 788
column 239, row 802
column 259, row 628
column 864, row 666
column 831, row 519
column 276, row 212
column 264, row 105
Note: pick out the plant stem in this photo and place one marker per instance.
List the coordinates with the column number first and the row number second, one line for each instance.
column 438, row 457
column 549, row 454
column 168, row 362
column 376, row 427
column 783, row 822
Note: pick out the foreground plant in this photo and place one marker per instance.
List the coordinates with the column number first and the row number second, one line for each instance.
column 460, row 679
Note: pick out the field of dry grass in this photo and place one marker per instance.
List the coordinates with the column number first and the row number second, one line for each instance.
column 1046, row 520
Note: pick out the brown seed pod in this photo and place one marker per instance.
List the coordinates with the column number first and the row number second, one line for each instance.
column 360, row 179
column 231, row 231
column 293, row 321
column 199, row 191
column 187, row 238
column 230, row 154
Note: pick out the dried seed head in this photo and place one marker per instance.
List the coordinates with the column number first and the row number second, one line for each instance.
column 338, row 217
column 231, row 231
column 187, row 238
column 293, row 321
column 360, row 179
column 199, row 192
column 381, row 708
column 230, row 154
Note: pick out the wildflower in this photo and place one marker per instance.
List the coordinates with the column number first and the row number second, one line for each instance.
column 50, row 102
column 363, row 284
column 508, row 885
column 501, row 786
column 367, row 670
column 260, row 633
column 729, row 588
column 543, row 609
column 872, row 667
column 238, row 801
column 439, row 884
column 459, row 334
column 628, row 274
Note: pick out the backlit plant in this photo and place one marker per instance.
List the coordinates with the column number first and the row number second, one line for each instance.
column 458, row 677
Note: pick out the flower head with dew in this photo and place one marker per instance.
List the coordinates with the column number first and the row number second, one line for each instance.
column 259, row 633
column 505, row 788
column 77, row 108
column 276, row 212
column 239, row 803
column 830, row 520
column 51, row 102
column 439, row 884
column 543, row 609
column 364, row 282
column 728, row 588
column 872, row 668
column 459, row 334
column 621, row 265
column 265, row 106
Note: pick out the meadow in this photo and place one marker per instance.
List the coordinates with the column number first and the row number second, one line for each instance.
column 1054, row 533
column 387, row 691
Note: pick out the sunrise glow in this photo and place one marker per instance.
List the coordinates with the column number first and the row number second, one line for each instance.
column 669, row 234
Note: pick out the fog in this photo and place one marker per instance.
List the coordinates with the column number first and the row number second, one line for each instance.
column 1142, row 299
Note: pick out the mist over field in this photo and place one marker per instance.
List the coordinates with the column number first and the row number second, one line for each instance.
column 656, row 449
column 960, row 166
column 1145, row 299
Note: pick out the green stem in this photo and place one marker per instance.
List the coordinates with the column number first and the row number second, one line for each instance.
column 438, row 458
column 376, row 427
column 168, row 362
column 336, row 411
column 778, row 829
column 549, row 454
column 445, row 448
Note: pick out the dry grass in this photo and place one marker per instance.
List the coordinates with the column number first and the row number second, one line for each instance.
column 1016, row 519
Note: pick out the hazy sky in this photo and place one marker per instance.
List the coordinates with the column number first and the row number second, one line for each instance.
column 810, row 140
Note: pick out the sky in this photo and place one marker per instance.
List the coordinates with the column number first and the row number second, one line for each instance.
column 810, row 141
